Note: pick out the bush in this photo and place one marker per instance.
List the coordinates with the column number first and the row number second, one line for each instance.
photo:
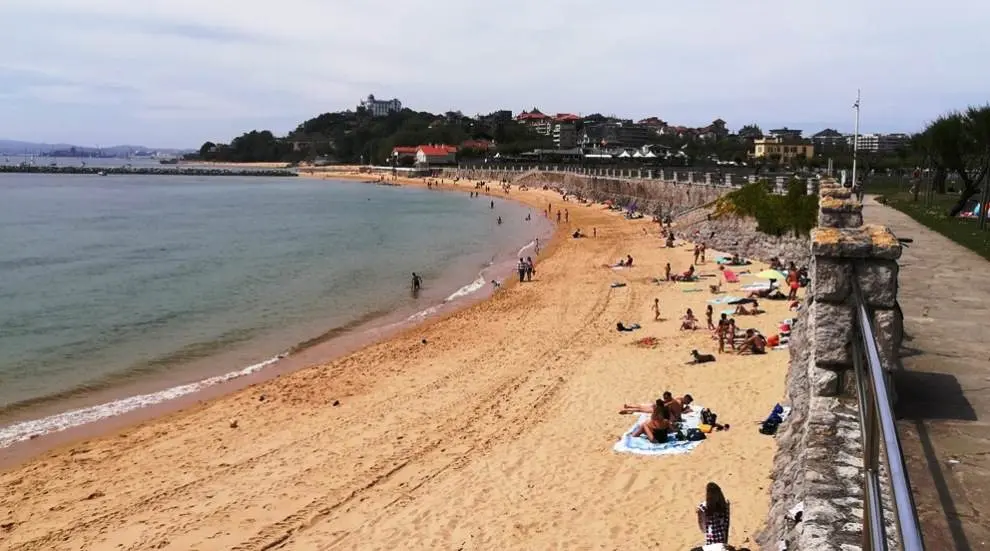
column 795, row 211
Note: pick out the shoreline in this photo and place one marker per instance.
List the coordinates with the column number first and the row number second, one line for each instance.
column 142, row 401
column 490, row 427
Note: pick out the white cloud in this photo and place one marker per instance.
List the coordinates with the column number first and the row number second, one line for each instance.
column 197, row 68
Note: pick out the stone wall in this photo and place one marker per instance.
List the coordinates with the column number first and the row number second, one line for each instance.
column 650, row 196
column 819, row 459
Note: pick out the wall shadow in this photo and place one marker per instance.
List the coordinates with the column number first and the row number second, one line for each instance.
column 924, row 397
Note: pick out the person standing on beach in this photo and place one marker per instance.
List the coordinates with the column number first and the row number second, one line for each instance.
column 713, row 515
column 709, row 312
column 567, row 215
column 558, row 216
column 656, row 309
column 594, row 232
column 697, row 253
column 703, row 249
column 666, row 272
column 530, row 269
column 521, row 268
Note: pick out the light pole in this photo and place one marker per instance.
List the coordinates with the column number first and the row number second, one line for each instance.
column 855, row 141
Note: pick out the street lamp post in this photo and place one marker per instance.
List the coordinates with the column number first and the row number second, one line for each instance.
column 855, row 141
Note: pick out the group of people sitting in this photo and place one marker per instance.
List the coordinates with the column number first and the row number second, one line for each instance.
column 665, row 414
column 750, row 341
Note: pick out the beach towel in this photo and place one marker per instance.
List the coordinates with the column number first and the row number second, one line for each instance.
column 729, row 312
column 691, row 290
column 617, row 285
column 727, row 299
column 755, row 287
column 642, row 446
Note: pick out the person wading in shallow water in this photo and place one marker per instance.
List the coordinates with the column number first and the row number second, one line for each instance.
column 417, row 283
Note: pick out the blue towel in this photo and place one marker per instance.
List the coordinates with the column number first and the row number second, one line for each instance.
column 729, row 312
column 641, row 446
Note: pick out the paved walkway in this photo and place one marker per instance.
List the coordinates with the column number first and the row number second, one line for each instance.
column 944, row 392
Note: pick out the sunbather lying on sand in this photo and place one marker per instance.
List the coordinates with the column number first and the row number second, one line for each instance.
column 763, row 293
column 741, row 310
column 676, row 406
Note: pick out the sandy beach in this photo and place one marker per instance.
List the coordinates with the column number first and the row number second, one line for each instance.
column 490, row 428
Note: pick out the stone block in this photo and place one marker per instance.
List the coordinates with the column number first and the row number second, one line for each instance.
column 826, row 382
column 833, row 331
column 835, row 212
column 837, row 192
column 869, row 241
column 831, row 279
column 877, row 279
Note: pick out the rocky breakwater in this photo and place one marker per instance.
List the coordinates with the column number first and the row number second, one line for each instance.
column 818, row 468
column 143, row 171
column 653, row 197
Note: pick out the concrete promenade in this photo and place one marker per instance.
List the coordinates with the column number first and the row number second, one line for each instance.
column 944, row 391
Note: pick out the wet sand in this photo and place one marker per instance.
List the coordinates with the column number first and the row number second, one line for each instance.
column 494, row 433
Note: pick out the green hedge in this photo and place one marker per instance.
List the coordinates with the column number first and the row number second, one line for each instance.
column 795, row 212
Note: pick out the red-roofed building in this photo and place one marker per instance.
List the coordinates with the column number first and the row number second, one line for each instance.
column 436, row 155
column 566, row 117
column 400, row 152
column 540, row 123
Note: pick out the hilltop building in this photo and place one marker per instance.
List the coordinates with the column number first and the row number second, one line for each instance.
column 380, row 108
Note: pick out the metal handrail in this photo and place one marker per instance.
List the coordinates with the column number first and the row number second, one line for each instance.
column 876, row 418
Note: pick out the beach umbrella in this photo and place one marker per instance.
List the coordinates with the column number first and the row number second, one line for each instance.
column 771, row 274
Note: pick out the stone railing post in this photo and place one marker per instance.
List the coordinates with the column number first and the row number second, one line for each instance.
column 842, row 247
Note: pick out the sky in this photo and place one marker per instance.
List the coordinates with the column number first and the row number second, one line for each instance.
column 176, row 73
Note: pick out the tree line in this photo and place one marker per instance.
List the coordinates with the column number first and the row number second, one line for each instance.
column 956, row 143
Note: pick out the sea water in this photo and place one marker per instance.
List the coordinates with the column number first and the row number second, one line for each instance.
column 108, row 280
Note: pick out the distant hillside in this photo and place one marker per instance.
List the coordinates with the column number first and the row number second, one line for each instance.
column 15, row 147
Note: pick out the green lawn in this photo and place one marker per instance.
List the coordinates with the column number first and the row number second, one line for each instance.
column 961, row 230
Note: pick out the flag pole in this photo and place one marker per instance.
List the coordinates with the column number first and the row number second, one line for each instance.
column 855, row 141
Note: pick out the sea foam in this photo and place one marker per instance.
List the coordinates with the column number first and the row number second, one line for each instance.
column 56, row 423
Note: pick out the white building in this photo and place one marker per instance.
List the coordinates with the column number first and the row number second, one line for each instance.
column 879, row 143
column 380, row 108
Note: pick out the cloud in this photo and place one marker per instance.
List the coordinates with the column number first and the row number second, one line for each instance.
column 188, row 70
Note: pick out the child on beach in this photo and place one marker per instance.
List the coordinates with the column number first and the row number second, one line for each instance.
column 709, row 312
column 722, row 332
column 689, row 322
column 656, row 309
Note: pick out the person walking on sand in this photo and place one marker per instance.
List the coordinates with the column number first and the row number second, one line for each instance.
column 530, row 269
column 558, row 216
column 567, row 215
column 709, row 312
column 713, row 515
column 697, row 253
column 656, row 309
column 703, row 249
column 521, row 268
column 666, row 272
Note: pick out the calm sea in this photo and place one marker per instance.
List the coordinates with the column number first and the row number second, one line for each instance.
column 106, row 280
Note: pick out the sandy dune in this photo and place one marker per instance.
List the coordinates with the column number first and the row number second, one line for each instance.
column 495, row 434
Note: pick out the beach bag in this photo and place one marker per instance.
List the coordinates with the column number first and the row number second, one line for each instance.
column 705, row 428
column 694, row 435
